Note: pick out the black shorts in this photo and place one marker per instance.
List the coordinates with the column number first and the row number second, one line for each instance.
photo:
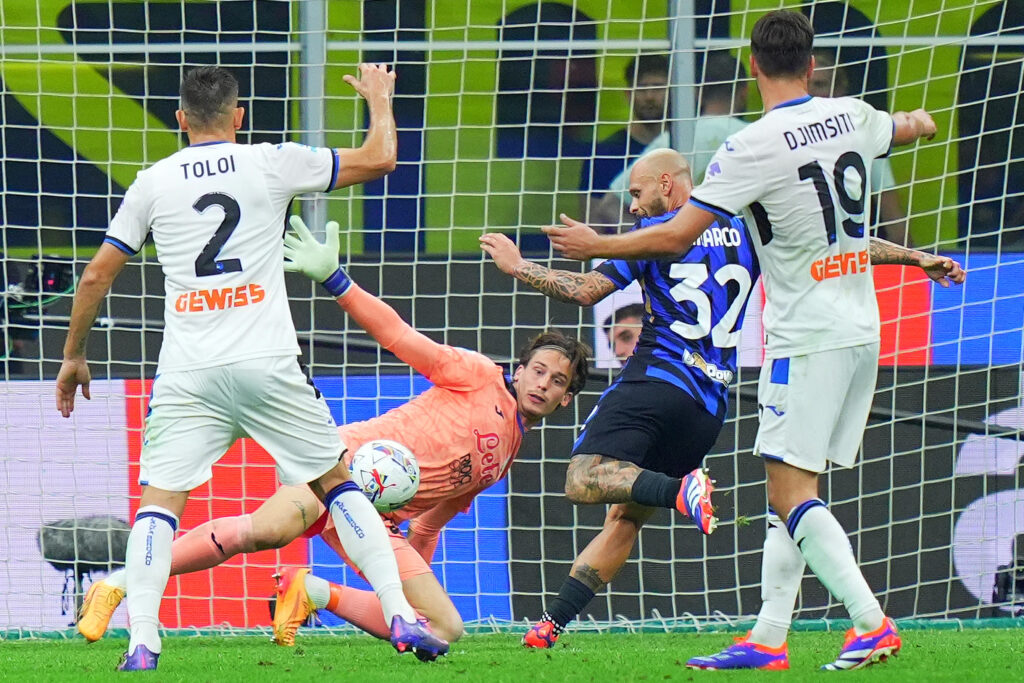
column 653, row 424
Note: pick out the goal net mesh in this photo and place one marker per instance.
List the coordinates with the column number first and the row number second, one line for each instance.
column 510, row 113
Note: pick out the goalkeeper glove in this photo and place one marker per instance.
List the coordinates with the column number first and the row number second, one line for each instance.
column 319, row 262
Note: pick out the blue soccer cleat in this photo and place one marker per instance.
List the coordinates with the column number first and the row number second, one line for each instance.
column 861, row 651
column 141, row 659
column 744, row 655
column 694, row 500
column 416, row 637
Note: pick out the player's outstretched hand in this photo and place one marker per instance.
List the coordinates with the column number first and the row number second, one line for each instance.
column 73, row 373
column 943, row 270
column 304, row 254
column 374, row 82
column 576, row 240
column 504, row 251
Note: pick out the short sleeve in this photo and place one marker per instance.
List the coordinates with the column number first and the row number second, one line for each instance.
column 733, row 179
column 882, row 178
column 293, row 169
column 462, row 369
column 130, row 226
column 620, row 272
column 878, row 126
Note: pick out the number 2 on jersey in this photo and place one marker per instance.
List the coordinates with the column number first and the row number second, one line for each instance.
column 692, row 276
column 206, row 262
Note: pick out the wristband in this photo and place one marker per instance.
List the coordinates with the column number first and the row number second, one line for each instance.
column 338, row 283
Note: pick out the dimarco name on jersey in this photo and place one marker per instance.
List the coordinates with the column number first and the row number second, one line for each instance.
column 819, row 131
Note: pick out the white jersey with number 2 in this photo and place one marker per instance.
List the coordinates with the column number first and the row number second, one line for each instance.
column 217, row 215
column 800, row 176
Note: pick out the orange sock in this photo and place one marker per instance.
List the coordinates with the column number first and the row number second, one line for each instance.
column 358, row 607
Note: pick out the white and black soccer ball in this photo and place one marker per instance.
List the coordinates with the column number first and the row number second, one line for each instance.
column 387, row 472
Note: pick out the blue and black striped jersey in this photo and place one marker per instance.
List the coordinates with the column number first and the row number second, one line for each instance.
column 695, row 306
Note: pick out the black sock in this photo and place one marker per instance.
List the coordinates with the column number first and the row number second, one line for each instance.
column 573, row 596
column 655, row 489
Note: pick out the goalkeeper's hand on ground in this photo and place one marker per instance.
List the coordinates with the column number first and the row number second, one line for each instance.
column 319, row 262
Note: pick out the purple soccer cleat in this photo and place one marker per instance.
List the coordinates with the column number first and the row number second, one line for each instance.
column 141, row 659
column 865, row 650
column 416, row 637
column 744, row 655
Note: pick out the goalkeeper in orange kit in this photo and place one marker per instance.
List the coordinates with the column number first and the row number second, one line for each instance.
column 465, row 432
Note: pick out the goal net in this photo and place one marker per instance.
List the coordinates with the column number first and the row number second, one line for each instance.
column 509, row 113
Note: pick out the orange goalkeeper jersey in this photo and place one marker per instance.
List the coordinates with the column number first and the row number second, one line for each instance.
column 465, row 431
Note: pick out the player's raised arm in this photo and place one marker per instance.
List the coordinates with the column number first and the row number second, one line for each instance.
column 669, row 239
column 319, row 262
column 378, row 154
column 912, row 126
column 941, row 269
column 585, row 289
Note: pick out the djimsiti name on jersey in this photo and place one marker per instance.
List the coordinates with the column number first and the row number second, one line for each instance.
column 209, row 167
column 819, row 131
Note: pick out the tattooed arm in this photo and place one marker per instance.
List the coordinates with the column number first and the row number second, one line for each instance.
column 585, row 289
column 942, row 269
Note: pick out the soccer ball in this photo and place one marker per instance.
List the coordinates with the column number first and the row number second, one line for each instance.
column 387, row 472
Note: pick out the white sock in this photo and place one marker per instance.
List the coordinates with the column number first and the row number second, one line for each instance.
column 147, row 567
column 782, row 569
column 318, row 590
column 117, row 578
column 364, row 538
column 827, row 550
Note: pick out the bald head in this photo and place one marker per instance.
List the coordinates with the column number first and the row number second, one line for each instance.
column 659, row 182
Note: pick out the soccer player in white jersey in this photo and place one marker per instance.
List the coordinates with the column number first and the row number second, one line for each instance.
column 800, row 175
column 228, row 366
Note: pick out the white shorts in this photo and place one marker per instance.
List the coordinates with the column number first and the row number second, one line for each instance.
column 195, row 415
column 813, row 408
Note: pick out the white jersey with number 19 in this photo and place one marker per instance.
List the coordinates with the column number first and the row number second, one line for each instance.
column 217, row 212
column 801, row 176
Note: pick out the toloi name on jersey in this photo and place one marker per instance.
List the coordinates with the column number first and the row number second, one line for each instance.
column 720, row 237
column 209, row 167
column 840, row 264
column 201, row 300
column 819, row 131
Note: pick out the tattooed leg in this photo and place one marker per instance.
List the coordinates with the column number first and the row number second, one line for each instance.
column 284, row 516
column 605, row 555
column 600, row 479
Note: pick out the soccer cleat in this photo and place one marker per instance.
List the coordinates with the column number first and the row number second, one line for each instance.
column 543, row 634
column 694, row 500
column 139, row 660
column 416, row 637
column 744, row 655
column 98, row 607
column 293, row 604
column 861, row 651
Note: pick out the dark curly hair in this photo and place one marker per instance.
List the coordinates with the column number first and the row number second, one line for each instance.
column 576, row 351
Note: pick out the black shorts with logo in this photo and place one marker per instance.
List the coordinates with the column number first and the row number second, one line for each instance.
column 651, row 423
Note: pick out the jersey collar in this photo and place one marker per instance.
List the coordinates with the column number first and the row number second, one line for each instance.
column 512, row 390
column 792, row 103
column 211, row 142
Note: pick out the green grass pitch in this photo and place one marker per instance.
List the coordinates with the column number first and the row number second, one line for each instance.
column 993, row 655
